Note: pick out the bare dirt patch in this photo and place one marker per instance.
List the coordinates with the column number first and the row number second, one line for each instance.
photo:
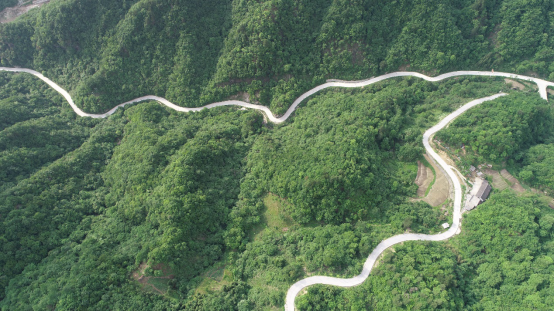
column 493, row 36
column 531, row 73
column 514, row 84
column 424, row 178
column 503, row 180
column 242, row 96
column 498, row 181
column 460, row 176
column 515, row 185
column 357, row 54
column 404, row 67
column 10, row 14
column 155, row 283
column 440, row 149
column 440, row 191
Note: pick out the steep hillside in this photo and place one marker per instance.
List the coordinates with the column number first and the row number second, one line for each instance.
column 153, row 209
column 195, row 52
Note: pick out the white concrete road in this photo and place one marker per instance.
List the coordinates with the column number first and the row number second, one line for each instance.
column 357, row 280
column 453, row 230
column 542, row 84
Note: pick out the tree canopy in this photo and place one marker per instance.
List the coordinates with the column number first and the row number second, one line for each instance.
column 153, row 209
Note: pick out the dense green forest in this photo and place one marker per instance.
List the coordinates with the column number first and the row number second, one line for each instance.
column 108, row 52
column 502, row 260
column 501, row 130
column 187, row 195
column 515, row 131
column 537, row 167
column 152, row 209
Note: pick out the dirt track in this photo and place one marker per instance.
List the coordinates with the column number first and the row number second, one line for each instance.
column 424, row 178
column 440, row 190
column 10, row 14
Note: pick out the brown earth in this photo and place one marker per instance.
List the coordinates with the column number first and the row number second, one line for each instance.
column 460, row 176
column 515, row 185
column 445, row 157
column 497, row 181
column 10, row 14
column 139, row 276
column 424, row 178
column 440, row 191
column 514, row 84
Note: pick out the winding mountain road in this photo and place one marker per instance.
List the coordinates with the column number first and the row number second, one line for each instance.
column 295, row 289
column 542, row 85
column 368, row 265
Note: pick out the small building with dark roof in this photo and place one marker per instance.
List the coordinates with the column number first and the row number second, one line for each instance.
column 479, row 193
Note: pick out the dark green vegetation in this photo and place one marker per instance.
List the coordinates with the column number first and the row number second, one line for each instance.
column 515, row 131
column 501, row 130
column 107, row 52
column 502, row 260
column 7, row 3
column 146, row 184
column 151, row 209
column 149, row 187
column 417, row 276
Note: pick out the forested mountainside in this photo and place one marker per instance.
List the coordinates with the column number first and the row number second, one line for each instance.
column 195, row 52
column 152, row 209
column 155, row 209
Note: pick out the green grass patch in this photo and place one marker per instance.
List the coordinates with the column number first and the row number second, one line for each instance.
column 215, row 277
column 275, row 215
column 428, row 165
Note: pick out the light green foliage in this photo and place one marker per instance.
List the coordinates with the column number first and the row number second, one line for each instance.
column 502, row 260
column 150, row 185
column 335, row 157
column 416, row 276
column 508, row 246
column 538, row 167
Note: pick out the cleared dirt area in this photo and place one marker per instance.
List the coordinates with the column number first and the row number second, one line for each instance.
column 498, row 181
column 514, row 84
column 214, row 279
column 440, row 191
column 515, row 185
column 503, row 180
column 9, row 14
column 424, row 178
column 444, row 156
column 156, row 284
